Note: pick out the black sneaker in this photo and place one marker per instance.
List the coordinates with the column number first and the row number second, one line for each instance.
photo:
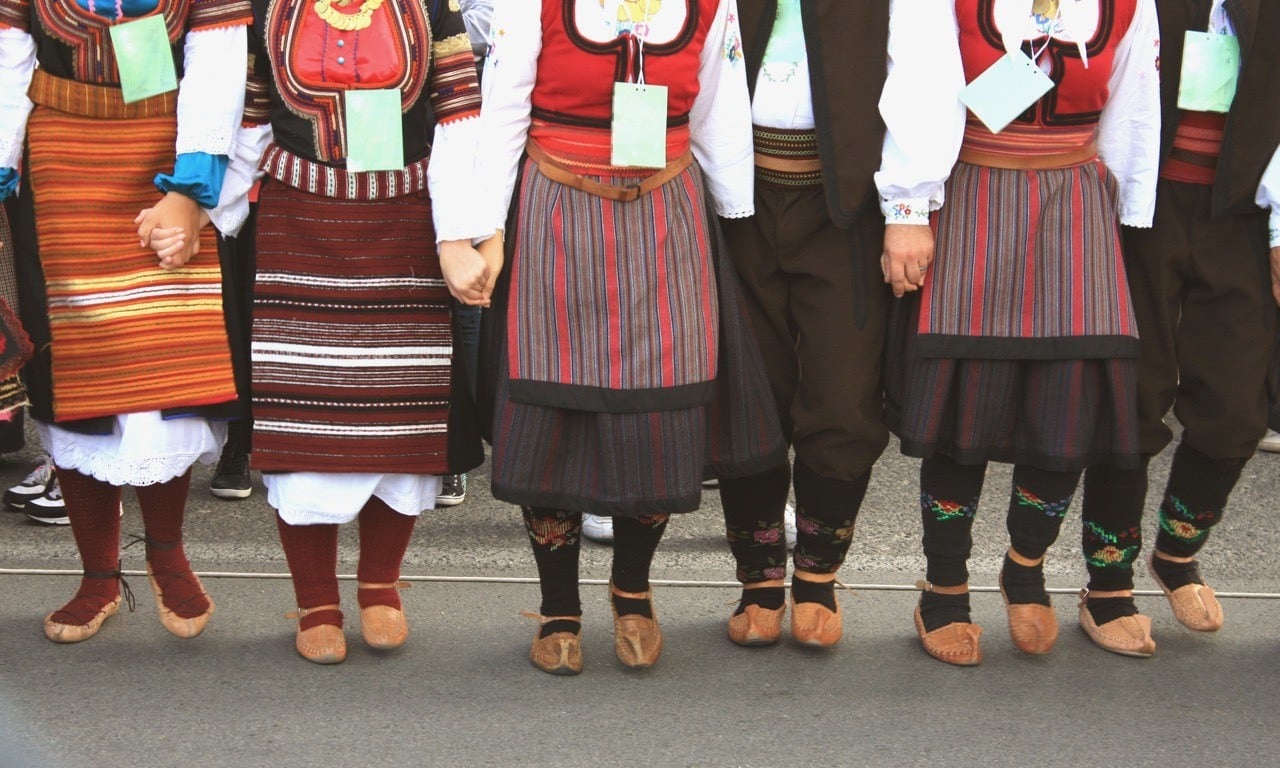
column 32, row 487
column 453, row 489
column 48, row 509
column 231, row 478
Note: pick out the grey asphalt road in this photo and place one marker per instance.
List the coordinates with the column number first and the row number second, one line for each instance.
column 462, row 692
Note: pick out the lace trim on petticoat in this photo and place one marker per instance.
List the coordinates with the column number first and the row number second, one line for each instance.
column 111, row 469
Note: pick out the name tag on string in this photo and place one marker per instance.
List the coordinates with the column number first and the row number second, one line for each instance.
column 1007, row 89
column 639, row 133
column 1210, row 72
column 144, row 58
column 375, row 139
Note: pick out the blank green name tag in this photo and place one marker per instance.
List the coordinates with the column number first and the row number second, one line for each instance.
column 1210, row 72
column 375, row 138
column 1005, row 90
column 639, row 125
column 144, row 58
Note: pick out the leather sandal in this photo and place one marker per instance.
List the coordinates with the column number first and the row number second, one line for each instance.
column 756, row 626
column 1032, row 627
column 323, row 643
column 383, row 627
column 637, row 640
column 1127, row 635
column 559, row 653
column 1195, row 606
column 814, row 624
column 177, row 625
column 59, row 632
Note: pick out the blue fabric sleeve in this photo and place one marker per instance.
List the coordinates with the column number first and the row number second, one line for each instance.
column 8, row 182
column 197, row 175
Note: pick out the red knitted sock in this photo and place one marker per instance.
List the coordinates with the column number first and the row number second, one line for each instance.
column 94, row 509
column 384, row 538
column 312, row 553
column 163, row 508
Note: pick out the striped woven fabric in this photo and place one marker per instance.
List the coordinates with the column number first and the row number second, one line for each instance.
column 12, row 395
column 327, row 181
column 788, row 146
column 455, row 91
column 8, row 278
column 1028, row 265
column 1197, row 142
column 257, row 102
column 351, row 339
column 127, row 336
column 587, row 150
column 1020, row 140
column 612, row 304
column 96, row 101
column 209, row 14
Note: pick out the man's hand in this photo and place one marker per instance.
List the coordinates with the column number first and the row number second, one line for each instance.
column 908, row 252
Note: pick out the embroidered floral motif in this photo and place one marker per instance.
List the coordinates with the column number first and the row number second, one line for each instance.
column 1181, row 523
column 944, row 510
column 1056, row 509
column 1105, row 549
column 555, row 530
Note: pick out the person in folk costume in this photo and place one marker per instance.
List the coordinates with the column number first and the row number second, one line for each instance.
column 1021, row 346
column 809, row 260
column 357, row 408
column 15, row 345
column 132, row 356
column 626, row 366
column 1202, row 287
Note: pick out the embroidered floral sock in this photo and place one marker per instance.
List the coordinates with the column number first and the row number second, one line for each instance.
column 769, row 598
column 753, row 513
column 1198, row 489
column 555, row 535
column 949, row 495
column 938, row 610
column 635, row 540
column 822, row 592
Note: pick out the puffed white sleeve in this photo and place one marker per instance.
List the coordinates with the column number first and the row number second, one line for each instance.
column 1269, row 196
column 923, row 116
column 211, row 95
column 229, row 215
column 17, row 63
column 1129, row 130
column 720, row 120
column 509, row 75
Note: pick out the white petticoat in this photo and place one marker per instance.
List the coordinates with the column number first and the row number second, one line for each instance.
column 142, row 449
column 313, row 498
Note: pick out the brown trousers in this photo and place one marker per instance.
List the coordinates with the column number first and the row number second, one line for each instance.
column 1202, row 292
column 819, row 309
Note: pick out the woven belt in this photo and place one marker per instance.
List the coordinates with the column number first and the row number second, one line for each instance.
column 622, row 194
column 788, row 164
column 1050, row 162
column 103, row 102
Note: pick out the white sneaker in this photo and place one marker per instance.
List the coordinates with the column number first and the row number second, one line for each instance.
column 49, row 509
column 33, row 486
column 597, row 528
column 789, row 525
column 1270, row 442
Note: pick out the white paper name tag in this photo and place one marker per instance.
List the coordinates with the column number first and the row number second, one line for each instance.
column 1005, row 90
column 375, row 138
column 1210, row 72
column 639, row 137
column 143, row 58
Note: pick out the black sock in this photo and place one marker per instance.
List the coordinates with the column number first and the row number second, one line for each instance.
column 1174, row 574
column 937, row 610
column 1104, row 609
column 769, row 598
column 554, row 535
column 630, row 606
column 1023, row 583
column 560, row 625
column 823, row 592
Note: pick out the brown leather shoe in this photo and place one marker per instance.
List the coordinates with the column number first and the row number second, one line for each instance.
column 637, row 640
column 1127, row 635
column 75, row 633
column 816, row 625
column 178, row 626
column 956, row 643
column 559, row 653
column 756, row 626
column 1032, row 626
column 323, row 643
column 383, row 627
column 1195, row 606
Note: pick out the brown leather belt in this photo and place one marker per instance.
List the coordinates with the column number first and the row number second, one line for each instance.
column 623, row 194
column 1075, row 157
column 788, row 165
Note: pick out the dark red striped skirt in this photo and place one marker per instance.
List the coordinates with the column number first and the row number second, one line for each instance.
column 351, row 344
